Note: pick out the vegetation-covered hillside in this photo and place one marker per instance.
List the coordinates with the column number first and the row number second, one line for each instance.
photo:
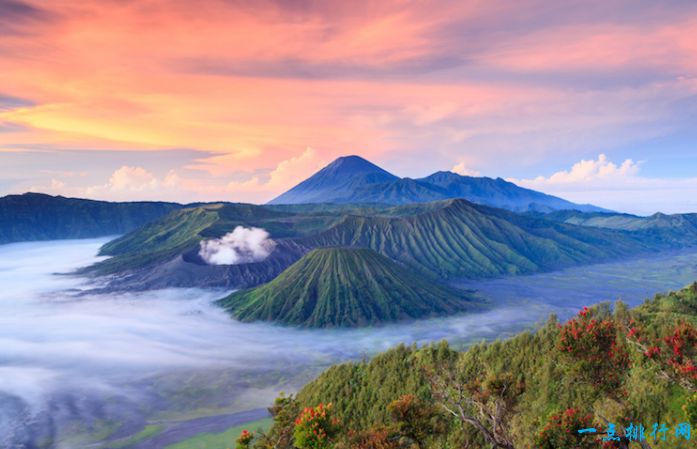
column 180, row 232
column 343, row 287
column 624, row 367
column 456, row 238
column 443, row 239
column 35, row 216
column 658, row 228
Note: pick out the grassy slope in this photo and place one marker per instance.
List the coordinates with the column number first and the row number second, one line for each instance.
column 455, row 238
column 345, row 287
column 362, row 391
column 220, row 440
column 181, row 231
column 156, row 242
column 148, row 431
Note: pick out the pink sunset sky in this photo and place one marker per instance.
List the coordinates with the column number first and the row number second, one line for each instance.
column 595, row 101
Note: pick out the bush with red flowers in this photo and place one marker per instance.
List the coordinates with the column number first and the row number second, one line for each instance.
column 680, row 349
column 592, row 347
column 561, row 431
column 315, row 428
column 676, row 353
column 244, row 440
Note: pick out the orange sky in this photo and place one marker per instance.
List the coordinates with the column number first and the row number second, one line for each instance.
column 260, row 94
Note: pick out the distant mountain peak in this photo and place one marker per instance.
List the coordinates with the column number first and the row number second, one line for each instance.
column 351, row 159
column 354, row 164
column 353, row 179
column 337, row 180
column 445, row 174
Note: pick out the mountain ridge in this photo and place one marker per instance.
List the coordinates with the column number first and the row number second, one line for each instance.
column 353, row 179
column 456, row 238
column 448, row 239
column 37, row 216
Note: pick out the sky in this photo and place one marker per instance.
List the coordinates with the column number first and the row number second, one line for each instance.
column 591, row 100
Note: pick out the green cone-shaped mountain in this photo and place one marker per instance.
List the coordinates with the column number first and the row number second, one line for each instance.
column 346, row 287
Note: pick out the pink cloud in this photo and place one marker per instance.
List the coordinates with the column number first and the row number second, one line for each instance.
column 487, row 83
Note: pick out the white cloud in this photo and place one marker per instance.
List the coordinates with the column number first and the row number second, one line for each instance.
column 286, row 174
column 132, row 179
column 129, row 183
column 586, row 171
column 57, row 184
column 464, row 170
column 617, row 186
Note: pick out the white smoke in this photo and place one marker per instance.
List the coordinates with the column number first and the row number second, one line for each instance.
column 243, row 245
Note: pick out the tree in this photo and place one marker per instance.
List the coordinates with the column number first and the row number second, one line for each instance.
column 674, row 354
column 690, row 408
column 593, row 352
column 679, row 351
column 315, row 428
column 415, row 419
column 561, row 431
column 487, row 404
column 284, row 412
column 374, row 438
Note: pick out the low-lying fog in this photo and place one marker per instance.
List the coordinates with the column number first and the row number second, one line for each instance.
column 68, row 357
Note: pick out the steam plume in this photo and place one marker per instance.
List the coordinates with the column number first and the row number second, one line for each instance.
column 242, row 245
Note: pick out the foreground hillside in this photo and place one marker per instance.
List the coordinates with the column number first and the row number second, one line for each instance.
column 346, row 287
column 627, row 367
column 35, row 216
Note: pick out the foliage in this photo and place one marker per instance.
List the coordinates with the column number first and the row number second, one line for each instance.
column 315, row 428
column 561, row 431
column 690, row 409
column 244, row 440
column 373, row 438
column 592, row 348
column 415, row 420
column 486, row 404
column 523, row 375
column 284, row 411
column 670, row 345
column 679, row 351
